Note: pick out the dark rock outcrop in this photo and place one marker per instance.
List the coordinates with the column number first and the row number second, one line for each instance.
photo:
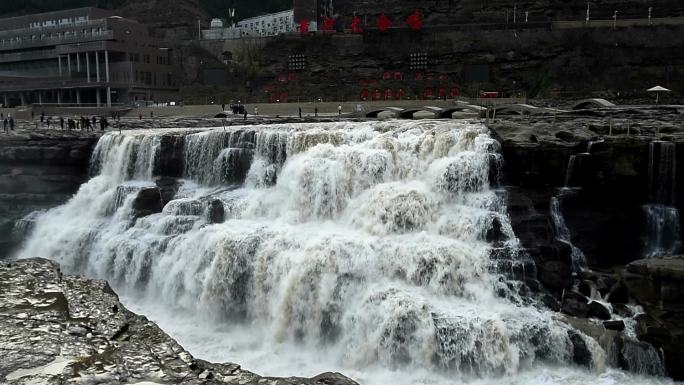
column 596, row 310
column 148, row 201
column 658, row 285
column 79, row 326
column 39, row 169
column 575, row 304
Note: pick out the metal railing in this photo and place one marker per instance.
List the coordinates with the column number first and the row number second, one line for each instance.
column 75, row 37
column 51, row 29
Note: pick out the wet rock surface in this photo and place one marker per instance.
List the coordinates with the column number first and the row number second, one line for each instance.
column 658, row 285
column 39, row 170
column 56, row 329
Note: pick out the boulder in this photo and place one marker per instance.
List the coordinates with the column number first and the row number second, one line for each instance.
column 575, row 304
column 216, row 211
column 147, row 202
column 618, row 325
column 580, row 353
column 551, row 302
column 597, row 310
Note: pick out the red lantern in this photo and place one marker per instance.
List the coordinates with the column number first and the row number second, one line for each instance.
column 401, row 94
column 377, row 95
column 418, row 76
column 282, row 78
column 384, row 23
column 415, row 21
column 364, row 95
column 304, row 26
column 389, row 95
column 398, row 76
column 328, row 25
column 387, row 76
column 442, row 93
column 356, row 25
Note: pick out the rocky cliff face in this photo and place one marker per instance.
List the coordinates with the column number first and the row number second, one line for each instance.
column 58, row 329
column 555, row 62
column 658, row 285
column 38, row 170
column 576, row 190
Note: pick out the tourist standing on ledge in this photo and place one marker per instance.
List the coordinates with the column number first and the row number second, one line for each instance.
column 339, row 110
column 5, row 123
column 300, row 112
column 61, row 122
column 11, row 122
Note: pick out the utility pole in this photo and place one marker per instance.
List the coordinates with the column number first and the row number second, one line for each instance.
column 650, row 15
column 588, row 10
column 515, row 12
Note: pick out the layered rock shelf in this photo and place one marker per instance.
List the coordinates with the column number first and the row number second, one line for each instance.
column 56, row 328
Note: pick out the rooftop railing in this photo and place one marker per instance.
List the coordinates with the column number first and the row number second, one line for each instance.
column 55, row 40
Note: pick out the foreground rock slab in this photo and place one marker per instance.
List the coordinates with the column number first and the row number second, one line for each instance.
column 58, row 329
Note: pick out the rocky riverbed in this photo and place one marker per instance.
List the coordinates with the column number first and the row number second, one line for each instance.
column 58, row 329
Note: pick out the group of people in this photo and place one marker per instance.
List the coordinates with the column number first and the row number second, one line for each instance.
column 7, row 122
column 81, row 123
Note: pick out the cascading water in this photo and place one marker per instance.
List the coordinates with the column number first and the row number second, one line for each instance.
column 375, row 249
column 573, row 177
column 663, row 229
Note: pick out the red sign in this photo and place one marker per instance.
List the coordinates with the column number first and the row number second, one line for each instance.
column 356, row 25
column 328, row 25
column 304, row 26
column 415, row 21
column 384, row 23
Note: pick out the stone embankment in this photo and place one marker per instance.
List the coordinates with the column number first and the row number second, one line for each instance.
column 56, row 328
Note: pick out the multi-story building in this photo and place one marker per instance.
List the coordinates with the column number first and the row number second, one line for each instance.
column 272, row 24
column 86, row 57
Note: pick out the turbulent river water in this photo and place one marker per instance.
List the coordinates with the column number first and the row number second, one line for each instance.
column 381, row 250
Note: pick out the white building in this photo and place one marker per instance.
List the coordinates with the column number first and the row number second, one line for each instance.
column 272, row 24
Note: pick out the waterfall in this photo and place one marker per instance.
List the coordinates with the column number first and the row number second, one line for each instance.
column 662, row 234
column 379, row 244
column 573, row 182
column 579, row 261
